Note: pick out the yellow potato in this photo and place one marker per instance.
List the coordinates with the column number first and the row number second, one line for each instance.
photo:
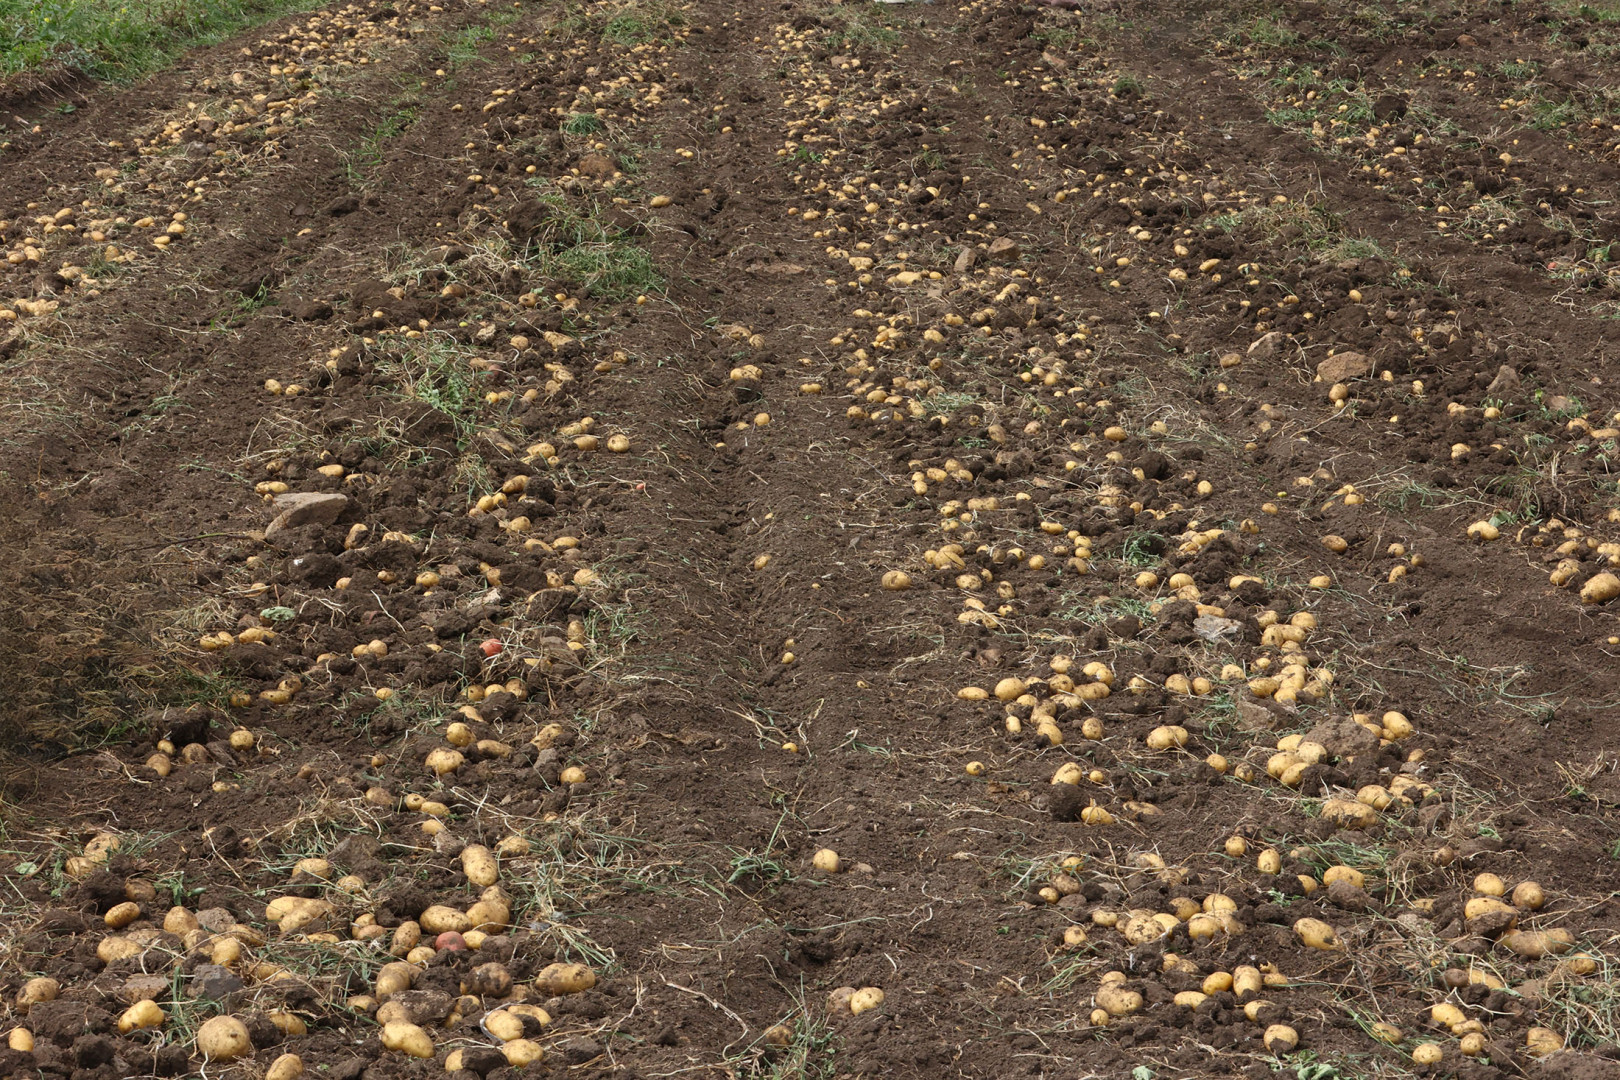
column 121, row 915
column 440, row 918
column 1447, row 1015
column 1246, row 981
column 1528, row 896
column 1427, row 1054
column 142, row 1014
column 408, row 1039
column 1167, row 736
column 1280, row 1038
column 1344, row 873
column 1534, row 944
column 826, row 860
column 1317, row 934
column 1349, row 814
column 503, row 1024
column 896, row 581
column 223, row 1038
column 559, row 979
column 864, row 999
column 112, row 949
column 288, row 1023
column 442, row 761
column 1489, row 885
column 21, row 1039
column 521, row 1052
column 1117, row 1001
column 36, row 990
column 285, row 1067
column 394, row 978
column 1386, row 1033
column 488, row 917
column 479, row 864
column 1540, row 1041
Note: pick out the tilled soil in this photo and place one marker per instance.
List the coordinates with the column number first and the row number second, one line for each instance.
column 1010, row 511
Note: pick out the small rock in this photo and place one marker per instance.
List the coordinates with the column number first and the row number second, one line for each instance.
column 216, row 920
column 213, row 982
column 1506, row 381
column 1002, row 249
column 300, row 508
column 579, row 1051
column 597, row 166
column 965, row 260
column 143, row 988
column 1269, row 347
column 1213, row 628
column 1466, row 41
column 1343, row 737
column 1342, row 366
column 1342, row 894
column 1255, row 716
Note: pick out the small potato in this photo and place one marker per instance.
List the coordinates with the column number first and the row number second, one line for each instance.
column 288, row 1023
column 1540, row 1041
column 502, row 1024
column 559, row 979
column 21, row 1039
column 865, row 999
column 572, row 775
column 394, row 978
column 1489, row 885
column 489, row 917
column 1190, row 999
column 479, row 864
column 407, row 1039
column 896, row 581
column 1349, row 814
column 442, row 761
column 521, row 1052
column 1427, row 1054
column 223, row 1038
column 1317, row 934
column 1534, row 944
column 1528, row 896
column 1600, row 588
column 142, row 1014
column 1117, row 1001
column 285, row 1067
column 37, row 990
column 1281, row 1039
column 1010, row 689
column 440, row 918
column 121, row 915
column 1167, row 737
column 1386, row 1033
column 459, row 734
column 826, row 860
column 838, row 1000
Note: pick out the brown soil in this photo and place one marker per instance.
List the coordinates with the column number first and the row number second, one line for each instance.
column 1287, row 301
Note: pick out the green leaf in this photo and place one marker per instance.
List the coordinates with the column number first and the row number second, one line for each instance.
column 278, row 614
column 1141, row 1072
column 26, row 869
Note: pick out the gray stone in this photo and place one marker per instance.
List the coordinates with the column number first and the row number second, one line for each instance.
column 213, row 982
column 1342, row 366
column 298, row 508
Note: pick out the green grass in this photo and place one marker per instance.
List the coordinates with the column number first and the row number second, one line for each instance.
column 121, row 39
column 576, row 246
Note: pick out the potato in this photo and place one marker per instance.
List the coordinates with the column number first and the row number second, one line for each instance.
column 394, row 978
column 896, row 581
column 1190, row 999
column 1246, row 981
column 1534, row 944
column 1115, row 1000
column 442, row 761
column 408, row 1039
column 421, row 956
column 121, row 915
column 407, row 936
column 559, row 979
column 1504, row 916
column 1010, row 689
column 502, row 1024
column 21, row 1039
column 572, row 775
column 479, row 864
column 288, row 1023
column 1074, row 936
column 1489, row 885
column 1427, row 1054
column 1203, row 927
column 1280, row 1038
column 865, row 999
column 142, row 1014
column 838, row 999
column 110, row 950
column 285, row 1067
column 223, row 1038
column 1317, row 934
column 1386, row 1033
column 1540, row 1041
column 1600, row 588
column 521, row 1052
column 36, row 990
column 1268, row 861
column 488, row 917
column 825, row 860
column 1166, row 737
column 1446, row 1014
column 1344, row 873
column 1528, row 896
column 1349, row 814
column 441, row 917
